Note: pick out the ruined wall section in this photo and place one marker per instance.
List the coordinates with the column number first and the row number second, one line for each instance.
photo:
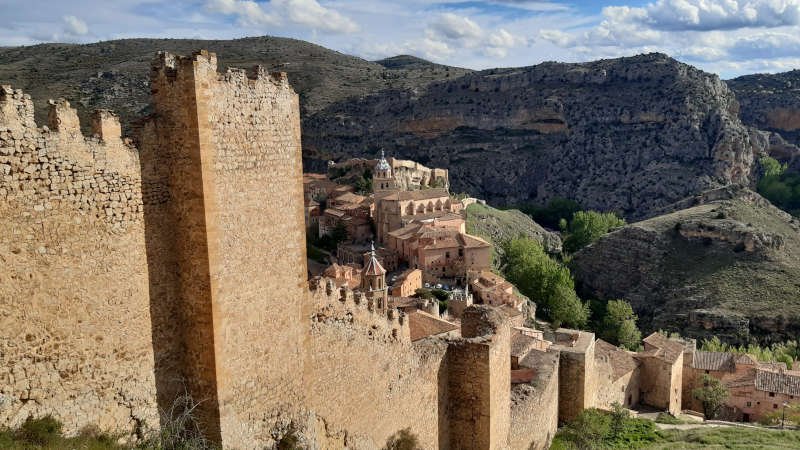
column 364, row 376
column 534, row 405
column 479, row 381
column 75, row 337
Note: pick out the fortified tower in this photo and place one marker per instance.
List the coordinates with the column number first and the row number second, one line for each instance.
column 228, row 149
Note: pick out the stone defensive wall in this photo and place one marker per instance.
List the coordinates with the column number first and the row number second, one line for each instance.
column 135, row 276
column 75, row 322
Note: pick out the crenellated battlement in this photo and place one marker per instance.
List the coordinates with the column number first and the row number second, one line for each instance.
column 344, row 305
column 54, row 164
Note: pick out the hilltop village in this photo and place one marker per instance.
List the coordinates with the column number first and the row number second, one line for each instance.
column 139, row 273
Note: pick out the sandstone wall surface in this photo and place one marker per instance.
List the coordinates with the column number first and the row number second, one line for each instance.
column 534, row 405
column 75, row 319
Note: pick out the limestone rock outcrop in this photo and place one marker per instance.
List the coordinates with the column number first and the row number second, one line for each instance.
column 723, row 263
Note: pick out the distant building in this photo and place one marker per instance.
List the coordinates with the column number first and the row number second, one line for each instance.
column 393, row 210
column 441, row 253
column 755, row 388
column 407, row 283
column 491, row 289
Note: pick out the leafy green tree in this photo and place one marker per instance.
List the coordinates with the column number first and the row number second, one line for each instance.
column 588, row 226
column 779, row 185
column 545, row 281
column 618, row 325
column 712, row 394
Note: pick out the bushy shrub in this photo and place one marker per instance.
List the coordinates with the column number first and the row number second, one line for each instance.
column 588, row 226
column 545, row 281
column 618, row 325
column 596, row 429
column 779, row 185
column 403, row 440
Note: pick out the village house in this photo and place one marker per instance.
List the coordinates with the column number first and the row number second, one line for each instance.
column 755, row 388
column 407, row 283
column 350, row 211
column 355, row 252
column 441, row 253
column 490, row 288
column 344, row 275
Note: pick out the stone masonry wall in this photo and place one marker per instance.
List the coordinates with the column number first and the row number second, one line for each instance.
column 75, row 322
column 364, row 376
column 479, row 381
column 534, row 405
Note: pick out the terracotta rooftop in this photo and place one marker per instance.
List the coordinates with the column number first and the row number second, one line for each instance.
column 621, row 361
column 784, row 382
column 713, row 361
column 422, row 325
column 439, row 216
column 665, row 348
column 349, row 197
column 373, row 266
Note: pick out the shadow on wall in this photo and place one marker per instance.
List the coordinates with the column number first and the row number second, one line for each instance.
column 179, row 282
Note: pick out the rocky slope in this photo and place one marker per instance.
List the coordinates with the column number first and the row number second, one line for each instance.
column 725, row 263
column 771, row 102
column 115, row 74
column 498, row 226
column 630, row 134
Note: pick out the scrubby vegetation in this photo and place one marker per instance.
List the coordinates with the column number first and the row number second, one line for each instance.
column 780, row 186
column 712, row 395
column 403, row 440
column 46, row 433
column 545, row 281
column 586, row 227
column 596, row 429
column 179, row 431
column 498, row 226
column 786, row 352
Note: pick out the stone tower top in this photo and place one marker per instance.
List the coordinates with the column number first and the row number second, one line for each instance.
column 382, row 180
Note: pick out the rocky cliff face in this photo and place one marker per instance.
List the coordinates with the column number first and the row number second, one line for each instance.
column 630, row 134
column 724, row 263
column 771, row 102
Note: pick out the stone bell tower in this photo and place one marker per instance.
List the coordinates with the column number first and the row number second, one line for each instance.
column 373, row 281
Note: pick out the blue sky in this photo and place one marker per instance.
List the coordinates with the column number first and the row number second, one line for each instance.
column 728, row 37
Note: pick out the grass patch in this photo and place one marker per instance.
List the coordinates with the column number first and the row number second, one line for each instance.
column 737, row 438
column 669, row 419
column 45, row 433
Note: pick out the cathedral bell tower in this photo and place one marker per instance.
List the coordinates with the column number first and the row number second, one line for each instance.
column 382, row 179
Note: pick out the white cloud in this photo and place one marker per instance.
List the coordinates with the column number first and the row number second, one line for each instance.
column 74, row 26
column 457, row 28
column 248, row 12
column 301, row 12
column 314, row 15
column 719, row 14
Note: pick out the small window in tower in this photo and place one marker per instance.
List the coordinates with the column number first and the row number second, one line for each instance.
column 772, row 394
column 446, row 254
